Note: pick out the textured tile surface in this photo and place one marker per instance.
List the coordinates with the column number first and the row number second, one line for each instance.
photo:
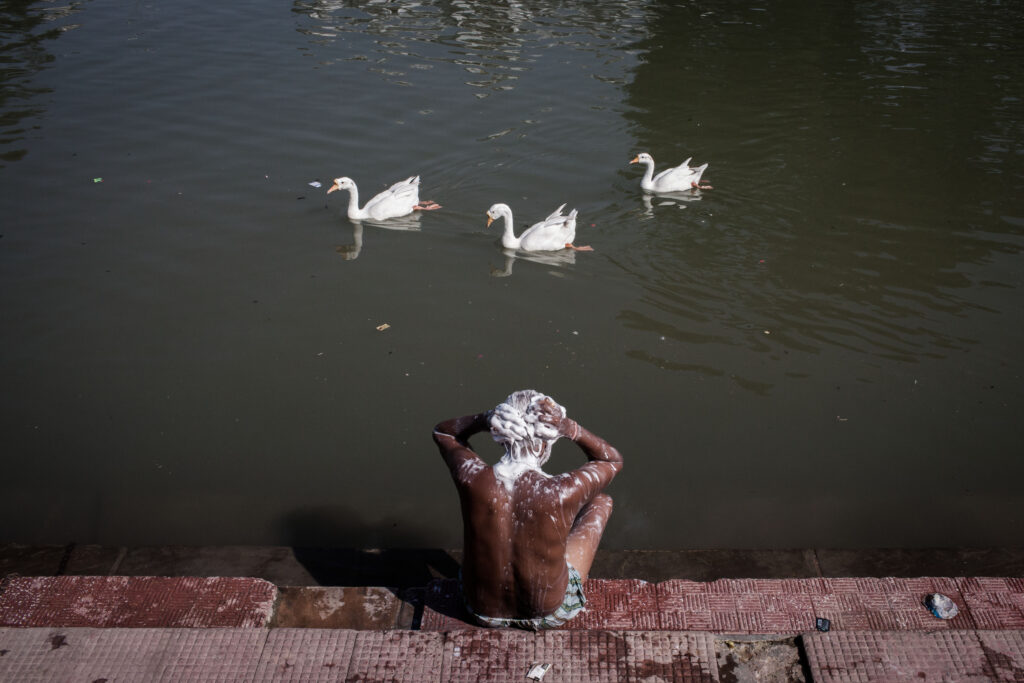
column 624, row 605
column 1004, row 652
column 993, row 603
column 86, row 654
column 488, row 655
column 896, row 656
column 771, row 606
column 578, row 656
column 888, row 604
column 396, row 656
column 738, row 606
column 305, row 654
column 153, row 601
column 245, row 654
column 670, row 656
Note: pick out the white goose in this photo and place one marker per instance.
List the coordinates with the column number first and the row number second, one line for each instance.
column 682, row 177
column 400, row 199
column 552, row 234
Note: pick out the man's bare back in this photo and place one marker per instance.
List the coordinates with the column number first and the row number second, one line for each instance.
column 523, row 529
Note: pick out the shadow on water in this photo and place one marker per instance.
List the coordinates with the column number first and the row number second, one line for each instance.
column 338, row 547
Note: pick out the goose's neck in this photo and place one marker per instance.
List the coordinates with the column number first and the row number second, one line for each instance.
column 509, row 239
column 647, row 181
column 354, row 212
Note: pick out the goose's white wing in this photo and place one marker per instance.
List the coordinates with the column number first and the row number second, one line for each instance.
column 551, row 234
column 557, row 214
column 678, row 175
column 397, row 200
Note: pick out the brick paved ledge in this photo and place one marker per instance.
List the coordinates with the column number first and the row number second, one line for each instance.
column 770, row 606
column 729, row 606
column 136, row 602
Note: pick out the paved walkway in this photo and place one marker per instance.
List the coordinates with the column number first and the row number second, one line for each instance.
column 776, row 606
column 114, row 628
column 257, row 654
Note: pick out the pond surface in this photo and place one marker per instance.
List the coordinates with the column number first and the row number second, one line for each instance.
column 824, row 350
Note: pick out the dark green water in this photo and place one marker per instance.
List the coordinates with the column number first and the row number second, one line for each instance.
column 824, row 350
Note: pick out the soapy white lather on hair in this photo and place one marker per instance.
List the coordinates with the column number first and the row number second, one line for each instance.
column 516, row 424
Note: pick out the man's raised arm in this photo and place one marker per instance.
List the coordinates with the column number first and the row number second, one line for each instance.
column 594, row 447
column 605, row 461
column 452, row 438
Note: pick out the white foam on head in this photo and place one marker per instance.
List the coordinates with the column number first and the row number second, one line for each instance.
column 527, row 440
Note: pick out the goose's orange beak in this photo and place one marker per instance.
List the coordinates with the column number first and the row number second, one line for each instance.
column 636, row 160
column 333, row 188
column 489, row 220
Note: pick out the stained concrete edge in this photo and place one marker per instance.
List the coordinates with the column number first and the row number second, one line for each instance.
column 410, row 568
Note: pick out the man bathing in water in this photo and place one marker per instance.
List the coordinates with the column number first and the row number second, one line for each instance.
column 529, row 537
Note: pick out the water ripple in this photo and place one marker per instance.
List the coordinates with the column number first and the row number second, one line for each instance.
column 492, row 42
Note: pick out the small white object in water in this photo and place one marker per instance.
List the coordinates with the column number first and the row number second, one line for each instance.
column 315, row 183
column 538, row 671
column 941, row 606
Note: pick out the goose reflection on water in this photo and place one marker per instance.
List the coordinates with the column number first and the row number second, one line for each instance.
column 558, row 259
column 677, row 199
column 350, row 252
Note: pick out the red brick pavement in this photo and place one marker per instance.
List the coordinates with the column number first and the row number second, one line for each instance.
column 484, row 656
column 282, row 655
column 963, row 656
column 726, row 606
column 770, row 606
column 137, row 602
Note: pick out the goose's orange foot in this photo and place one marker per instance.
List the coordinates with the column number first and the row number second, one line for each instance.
column 575, row 248
column 426, row 206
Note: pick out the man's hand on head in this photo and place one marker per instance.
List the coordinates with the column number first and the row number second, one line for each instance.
column 552, row 415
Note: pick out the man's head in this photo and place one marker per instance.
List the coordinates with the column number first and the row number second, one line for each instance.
column 516, row 424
